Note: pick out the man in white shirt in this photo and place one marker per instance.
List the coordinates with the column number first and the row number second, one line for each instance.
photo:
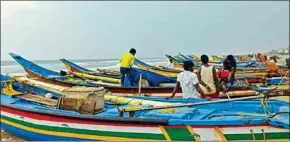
column 170, row 64
column 188, row 82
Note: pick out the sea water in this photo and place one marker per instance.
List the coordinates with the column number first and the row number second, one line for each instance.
column 12, row 67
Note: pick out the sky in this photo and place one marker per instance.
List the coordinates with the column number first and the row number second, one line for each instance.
column 92, row 30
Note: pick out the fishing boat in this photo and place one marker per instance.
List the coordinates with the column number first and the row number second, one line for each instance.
column 244, row 77
column 46, row 75
column 27, row 112
column 282, row 81
column 178, row 64
column 167, row 72
column 276, row 82
column 99, row 72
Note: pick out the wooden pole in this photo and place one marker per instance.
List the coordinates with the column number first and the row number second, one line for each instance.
column 140, row 85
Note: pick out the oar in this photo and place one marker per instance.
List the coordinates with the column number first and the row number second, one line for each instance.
column 207, row 102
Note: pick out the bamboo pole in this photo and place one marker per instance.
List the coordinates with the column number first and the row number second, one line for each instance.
column 140, row 85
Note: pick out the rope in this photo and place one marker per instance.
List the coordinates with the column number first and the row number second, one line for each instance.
column 194, row 104
column 8, row 89
column 264, row 135
column 252, row 132
column 266, row 111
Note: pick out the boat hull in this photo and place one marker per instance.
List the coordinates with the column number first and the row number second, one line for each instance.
column 113, row 89
column 38, row 126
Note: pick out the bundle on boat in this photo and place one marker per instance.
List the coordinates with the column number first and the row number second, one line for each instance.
column 86, row 100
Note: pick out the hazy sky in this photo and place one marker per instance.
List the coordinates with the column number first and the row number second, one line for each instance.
column 91, row 29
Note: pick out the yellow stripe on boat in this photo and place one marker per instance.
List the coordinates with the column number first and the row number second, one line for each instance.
column 220, row 134
column 101, row 78
column 73, row 135
column 165, row 133
column 190, row 129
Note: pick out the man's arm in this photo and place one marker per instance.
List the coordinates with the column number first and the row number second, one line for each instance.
column 232, row 78
column 177, row 86
column 132, row 61
column 199, row 90
column 215, row 78
column 233, row 71
column 121, row 59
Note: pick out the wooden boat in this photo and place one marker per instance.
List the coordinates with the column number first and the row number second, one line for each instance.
column 238, row 89
column 272, row 82
column 167, row 72
column 173, row 72
column 45, row 75
column 231, row 120
column 176, row 63
column 93, row 75
column 75, row 68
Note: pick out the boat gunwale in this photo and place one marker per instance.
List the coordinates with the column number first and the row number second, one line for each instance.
column 126, row 120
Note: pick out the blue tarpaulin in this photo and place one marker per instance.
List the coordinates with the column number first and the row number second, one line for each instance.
column 154, row 79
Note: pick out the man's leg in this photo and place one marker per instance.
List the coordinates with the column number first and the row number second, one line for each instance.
column 122, row 72
column 130, row 77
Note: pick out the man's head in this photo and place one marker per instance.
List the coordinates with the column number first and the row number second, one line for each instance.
column 133, row 51
column 170, row 60
column 204, row 59
column 230, row 58
column 188, row 66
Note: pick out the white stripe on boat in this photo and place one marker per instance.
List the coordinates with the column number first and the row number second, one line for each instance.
column 207, row 134
column 129, row 129
column 256, row 129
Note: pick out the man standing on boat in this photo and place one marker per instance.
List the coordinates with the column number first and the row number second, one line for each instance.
column 126, row 62
column 188, row 82
column 230, row 64
column 170, row 64
column 207, row 77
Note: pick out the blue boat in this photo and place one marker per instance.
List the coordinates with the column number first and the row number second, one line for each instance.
column 228, row 120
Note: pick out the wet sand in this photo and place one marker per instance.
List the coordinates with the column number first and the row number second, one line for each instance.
column 5, row 136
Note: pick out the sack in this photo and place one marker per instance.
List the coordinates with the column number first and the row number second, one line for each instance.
column 86, row 100
column 82, row 106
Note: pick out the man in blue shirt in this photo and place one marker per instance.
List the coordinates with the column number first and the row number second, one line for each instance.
column 230, row 64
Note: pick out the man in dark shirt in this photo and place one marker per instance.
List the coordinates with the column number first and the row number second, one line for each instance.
column 230, row 65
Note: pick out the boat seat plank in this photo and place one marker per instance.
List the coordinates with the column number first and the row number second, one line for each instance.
column 38, row 99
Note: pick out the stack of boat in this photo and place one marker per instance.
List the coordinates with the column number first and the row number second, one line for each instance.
column 82, row 104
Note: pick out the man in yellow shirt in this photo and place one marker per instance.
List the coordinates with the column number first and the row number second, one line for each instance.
column 126, row 62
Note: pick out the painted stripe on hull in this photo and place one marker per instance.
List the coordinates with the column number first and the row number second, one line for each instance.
column 190, row 129
column 258, row 136
column 207, row 134
column 100, row 135
column 129, row 129
column 179, row 134
column 53, row 132
column 68, row 120
column 246, row 130
column 31, row 136
column 245, row 133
